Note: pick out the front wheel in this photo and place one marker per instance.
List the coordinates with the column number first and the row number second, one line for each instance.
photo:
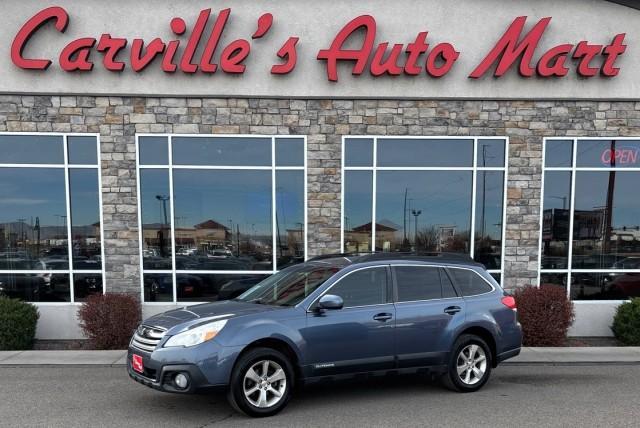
column 469, row 364
column 261, row 382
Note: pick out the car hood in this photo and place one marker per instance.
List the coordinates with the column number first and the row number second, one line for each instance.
column 196, row 314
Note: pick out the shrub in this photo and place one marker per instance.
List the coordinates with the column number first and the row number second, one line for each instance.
column 109, row 320
column 545, row 314
column 18, row 321
column 626, row 323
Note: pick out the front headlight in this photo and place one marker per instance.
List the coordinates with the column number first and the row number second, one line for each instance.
column 196, row 336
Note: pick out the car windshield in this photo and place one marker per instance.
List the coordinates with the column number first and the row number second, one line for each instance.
column 288, row 287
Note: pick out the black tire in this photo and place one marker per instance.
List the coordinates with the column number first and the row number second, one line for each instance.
column 236, row 394
column 452, row 380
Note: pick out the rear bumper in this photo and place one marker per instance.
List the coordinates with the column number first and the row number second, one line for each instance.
column 507, row 354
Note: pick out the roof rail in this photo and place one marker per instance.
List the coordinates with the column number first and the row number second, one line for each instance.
column 414, row 254
column 370, row 256
column 335, row 255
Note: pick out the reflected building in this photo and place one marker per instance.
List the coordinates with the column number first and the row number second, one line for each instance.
column 295, row 244
column 203, row 237
column 358, row 239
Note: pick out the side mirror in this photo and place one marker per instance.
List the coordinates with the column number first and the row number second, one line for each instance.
column 330, row 301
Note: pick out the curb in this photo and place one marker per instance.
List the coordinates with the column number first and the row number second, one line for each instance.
column 569, row 356
column 58, row 366
column 570, row 363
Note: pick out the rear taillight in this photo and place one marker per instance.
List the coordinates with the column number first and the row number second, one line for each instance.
column 509, row 302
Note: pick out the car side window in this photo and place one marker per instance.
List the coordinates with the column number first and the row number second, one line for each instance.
column 418, row 283
column 363, row 287
column 469, row 282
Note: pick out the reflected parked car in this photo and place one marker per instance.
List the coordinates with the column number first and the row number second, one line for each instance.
column 625, row 286
column 489, row 260
column 22, row 286
column 235, row 287
column 84, row 285
column 188, row 286
column 84, row 263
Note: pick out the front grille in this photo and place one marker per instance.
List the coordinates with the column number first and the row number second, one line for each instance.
column 147, row 338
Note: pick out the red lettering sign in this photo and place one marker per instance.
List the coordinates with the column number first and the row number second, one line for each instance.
column 621, row 156
column 76, row 55
column 58, row 14
column 512, row 46
column 392, row 62
column 515, row 48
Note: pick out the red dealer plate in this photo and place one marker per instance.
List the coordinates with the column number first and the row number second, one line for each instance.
column 136, row 363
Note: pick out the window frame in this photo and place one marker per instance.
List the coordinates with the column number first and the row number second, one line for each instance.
column 573, row 169
column 66, row 166
column 474, row 169
column 170, row 167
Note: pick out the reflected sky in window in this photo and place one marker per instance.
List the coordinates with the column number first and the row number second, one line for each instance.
column 230, row 151
column 425, row 153
column 442, row 200
column 231, row 198
column 28, row 193
column 32, row 149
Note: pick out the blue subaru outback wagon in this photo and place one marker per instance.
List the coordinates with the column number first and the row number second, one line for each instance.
column 333, row 317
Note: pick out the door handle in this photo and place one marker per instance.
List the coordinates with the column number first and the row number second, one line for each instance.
column 452, row 310
column 383, row 317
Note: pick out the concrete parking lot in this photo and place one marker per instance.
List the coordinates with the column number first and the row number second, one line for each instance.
column 537, row 395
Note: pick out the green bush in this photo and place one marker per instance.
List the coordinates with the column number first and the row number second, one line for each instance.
column 626, row 323
column 18, row 322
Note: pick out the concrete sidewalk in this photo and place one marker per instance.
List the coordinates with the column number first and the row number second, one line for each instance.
column 545, row 356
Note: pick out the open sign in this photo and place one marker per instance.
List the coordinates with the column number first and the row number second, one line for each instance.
column 620, row 156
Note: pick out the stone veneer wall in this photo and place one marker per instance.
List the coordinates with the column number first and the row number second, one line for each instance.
column 118, row 119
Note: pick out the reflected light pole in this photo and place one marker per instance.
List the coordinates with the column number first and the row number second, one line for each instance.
column 64, row 224
column 416, row 213
column 163, row 199
column 21, row 221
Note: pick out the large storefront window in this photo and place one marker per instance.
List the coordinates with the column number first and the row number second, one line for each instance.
column 50, row 228
column 218, row 213
column 425, row 194
column 590, row 240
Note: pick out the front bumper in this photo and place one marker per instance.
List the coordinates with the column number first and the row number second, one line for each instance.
column 207, row 367
column 163, row 380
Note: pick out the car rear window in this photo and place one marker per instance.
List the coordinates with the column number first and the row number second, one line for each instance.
column 469, row 282
column 418, row 283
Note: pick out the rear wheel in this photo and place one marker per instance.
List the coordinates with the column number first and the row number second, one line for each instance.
column 261, row 382
column 469, row 364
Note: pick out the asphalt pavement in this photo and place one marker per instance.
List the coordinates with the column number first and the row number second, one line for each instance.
column 517, row 395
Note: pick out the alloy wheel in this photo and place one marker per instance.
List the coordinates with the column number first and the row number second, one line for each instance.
column 471, row 364
column 264, row 384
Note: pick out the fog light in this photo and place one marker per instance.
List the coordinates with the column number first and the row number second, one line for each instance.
column 181, row 380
